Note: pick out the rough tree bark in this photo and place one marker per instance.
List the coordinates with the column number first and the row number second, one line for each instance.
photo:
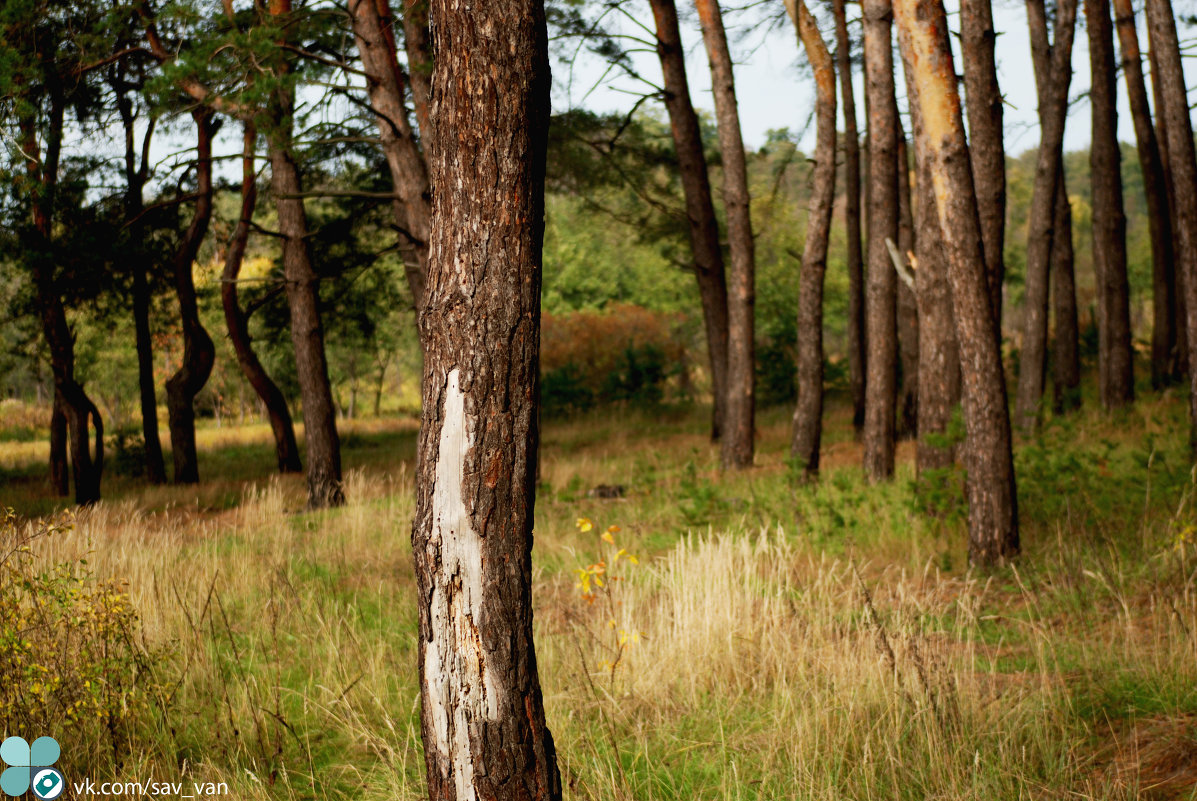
column 1179, row 365
column 939, row 356
column 1053, row 74
column 199, row 352
column 1066, row 349
column 880, row 307
column 938, row 353
column 307, row 335
column 373, row 30
column 1183, row 161
column 740, row 409
column 992, row 501
column 983, row 98
column 700, row 209
column 854, row 256
column 907, row 310
column 482, row 714
column 237, row 321
column 1159, row 222
column 808, row 414
column 1115, row 368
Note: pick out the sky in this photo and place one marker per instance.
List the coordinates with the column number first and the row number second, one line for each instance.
column 775, row 89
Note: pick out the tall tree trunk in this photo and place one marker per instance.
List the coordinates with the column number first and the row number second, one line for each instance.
column 1115, row 368
column 374, row 33
column 700, row 209
column 70, row 398
column 307, row 334
column 155, row 466
column 938, row 353
column 1053, row 73
column 939, row 356
column 992, row 500
column 136, row 174
column 482, row 713
column 199, row 352
column 285, row 447
column 854, row 256
column 1183, row 161
column 984, row 102
column 880, row 308
column 908, row 313
column 740, row 409
column 808, row 414
column 1179, row 364
column 1159, row 223
column 1066, row 350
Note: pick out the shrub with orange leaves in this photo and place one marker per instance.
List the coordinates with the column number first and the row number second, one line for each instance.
column 622, row 353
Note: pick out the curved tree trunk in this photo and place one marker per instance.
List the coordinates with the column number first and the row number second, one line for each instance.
column 907, row 313
column 992, row 500
column 880, row 310
column 285, row 447
column 1115, row 368
column 1183, row 161
column 984, row 106
column 740, row 409
column 1066, row 348
column 69, row 396
column 482, row 713
column 702, row 223
column 307, row 334
column 374, row 34
column 1053, row 73
column 199, row 353
column 1159, row 222
column 808, row 414
column 854, row 256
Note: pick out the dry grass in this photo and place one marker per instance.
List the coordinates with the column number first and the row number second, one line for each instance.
column 820, row 643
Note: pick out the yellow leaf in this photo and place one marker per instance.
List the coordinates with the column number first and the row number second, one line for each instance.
column 607, row 537
column 584, row 524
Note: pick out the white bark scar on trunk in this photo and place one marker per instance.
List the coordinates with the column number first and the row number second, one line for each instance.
column 461, row 689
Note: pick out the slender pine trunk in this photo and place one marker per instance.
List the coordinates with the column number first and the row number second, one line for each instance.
column 702, row 224
column 1115, row 367
column 808, row 413
column 740, row 410
column 854, row 256
column 880, row 308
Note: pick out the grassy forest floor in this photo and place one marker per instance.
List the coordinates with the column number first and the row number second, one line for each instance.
column 771, row 641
